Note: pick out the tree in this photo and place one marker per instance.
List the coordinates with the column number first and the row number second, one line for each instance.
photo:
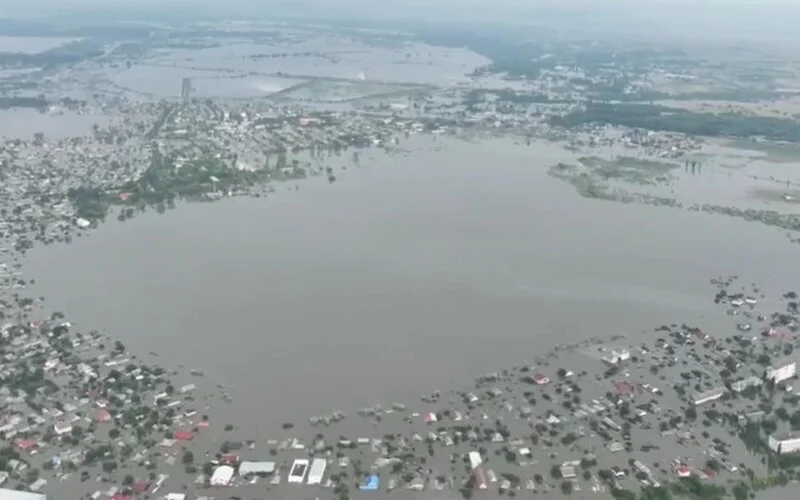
column 113, row 433
column 128, row 480
column 109, row 467
column 31, row 475
column 566, row 487
column 656, row 493
column 741, row 492
column 555, row 472
column 188, row 457
column 621, row 494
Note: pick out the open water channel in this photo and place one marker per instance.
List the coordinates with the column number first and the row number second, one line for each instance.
column 410, row 273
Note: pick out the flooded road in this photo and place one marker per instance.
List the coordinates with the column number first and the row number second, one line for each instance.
column 410, row 273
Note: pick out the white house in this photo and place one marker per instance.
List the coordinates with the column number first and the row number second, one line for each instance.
column 783, row 444
column 617, row 356
column 62, row 428
column 741, row 385
column 222, row 475
column 708, row 396
column 781, row 371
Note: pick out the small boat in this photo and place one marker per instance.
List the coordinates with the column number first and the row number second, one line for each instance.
column 751, row 300
column 737, row 302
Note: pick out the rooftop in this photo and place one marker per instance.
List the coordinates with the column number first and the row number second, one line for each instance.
column 6, row 494
column 780, row 436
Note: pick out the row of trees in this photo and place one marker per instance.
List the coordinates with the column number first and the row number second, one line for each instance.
column 662, row 118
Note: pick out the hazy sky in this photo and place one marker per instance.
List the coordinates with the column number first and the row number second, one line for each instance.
column 711, row 18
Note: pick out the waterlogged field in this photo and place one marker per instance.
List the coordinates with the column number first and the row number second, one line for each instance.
column 335, row 58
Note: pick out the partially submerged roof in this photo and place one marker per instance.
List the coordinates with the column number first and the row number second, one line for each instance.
column 247, row 467
column 222, row 475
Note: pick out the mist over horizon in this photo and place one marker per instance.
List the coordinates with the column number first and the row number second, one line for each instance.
column 739, row 20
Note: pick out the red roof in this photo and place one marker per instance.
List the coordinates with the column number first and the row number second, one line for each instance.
column 121, row 496
column 230, row 459
column 480, row 480
column 623, row 388
column 140, row 486
column 102, row 416
column 25, row 444
column 541, row 378
column 711, row 473
column 182, row 435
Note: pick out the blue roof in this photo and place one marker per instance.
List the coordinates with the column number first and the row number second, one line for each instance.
column 371, row 484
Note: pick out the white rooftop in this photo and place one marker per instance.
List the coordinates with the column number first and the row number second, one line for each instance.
column 6, row 494
column 246, row 468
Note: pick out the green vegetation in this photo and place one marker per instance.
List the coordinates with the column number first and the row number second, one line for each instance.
column 634, row 170
column 70, row 53
column 169, row 179
column 694, row 487
column 90, row 203
column 662, row 118
column 516, row 60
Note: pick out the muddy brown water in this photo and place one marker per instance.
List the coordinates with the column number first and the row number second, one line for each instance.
column 411, row 273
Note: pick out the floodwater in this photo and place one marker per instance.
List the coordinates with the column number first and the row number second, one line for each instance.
column 23, row 123
column 727, row 177
column 332, row 58
column 162, row 81
column 411, row 273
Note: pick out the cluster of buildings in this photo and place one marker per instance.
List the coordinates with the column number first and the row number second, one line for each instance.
column 77, row 407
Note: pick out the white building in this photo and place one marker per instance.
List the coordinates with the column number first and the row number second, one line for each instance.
column 708, row 396
column 617, row 356
column 62, row 428
column 222, row 475
column 741, row 385
column 783, row 444
column 782, row 371
column 298, row 471
column 247, row 468
column 317, row 471
column 8, row 494
column 475, row 459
